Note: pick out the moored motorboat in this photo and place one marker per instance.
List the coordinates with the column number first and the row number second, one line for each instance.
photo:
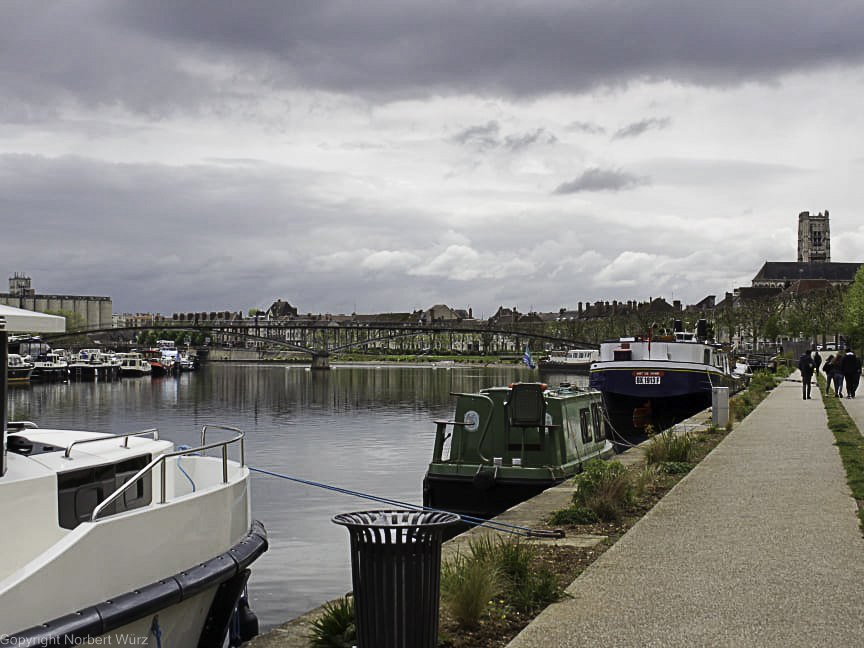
column 50, row 366
column 658, row 380
column 93, row 364
column 18, row 370
column 507, row 444
column 133, row 364
column 130, row 540
column 571, row 361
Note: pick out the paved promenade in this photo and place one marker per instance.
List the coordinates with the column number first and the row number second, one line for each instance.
column 758, row 546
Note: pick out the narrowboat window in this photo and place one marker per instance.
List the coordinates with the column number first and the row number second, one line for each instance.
column 707, row 356
column 586, row 425
column 599, row 432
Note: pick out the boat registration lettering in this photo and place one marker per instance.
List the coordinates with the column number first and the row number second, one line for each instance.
column 648, row 377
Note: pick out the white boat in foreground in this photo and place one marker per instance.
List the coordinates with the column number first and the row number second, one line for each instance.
column 122, row 539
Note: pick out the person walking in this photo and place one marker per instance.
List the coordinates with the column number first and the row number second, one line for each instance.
column 828, row 368
column 805, row 365
column 837, row 374
column 851, row 372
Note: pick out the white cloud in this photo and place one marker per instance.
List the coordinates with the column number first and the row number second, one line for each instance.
column 463, row 263
column 390, row 260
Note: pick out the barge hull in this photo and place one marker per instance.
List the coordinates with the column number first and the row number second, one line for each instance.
column 485, row 497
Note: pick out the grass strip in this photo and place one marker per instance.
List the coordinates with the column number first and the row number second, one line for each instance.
column 850, row 443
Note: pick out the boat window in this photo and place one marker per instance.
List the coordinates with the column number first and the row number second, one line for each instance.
column 81, row 491
column 623, row 354
column 572, row 434
column 707, row 356
column 586, row 425
column 599, row 432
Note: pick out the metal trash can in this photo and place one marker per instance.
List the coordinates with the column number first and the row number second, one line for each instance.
column 396, row 575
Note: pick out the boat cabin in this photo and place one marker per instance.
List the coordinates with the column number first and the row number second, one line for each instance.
column 506, row 444
column 524, row 425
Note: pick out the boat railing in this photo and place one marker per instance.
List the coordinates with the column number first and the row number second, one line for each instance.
column 162, row 460
column 125, row 444
column 226, row 428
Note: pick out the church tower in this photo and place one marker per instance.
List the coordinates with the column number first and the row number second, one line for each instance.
column 814, row 238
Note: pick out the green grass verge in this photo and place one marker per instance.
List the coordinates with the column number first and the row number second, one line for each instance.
column 849, row 441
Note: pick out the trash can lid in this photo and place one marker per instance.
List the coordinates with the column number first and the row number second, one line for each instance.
column 396, row 519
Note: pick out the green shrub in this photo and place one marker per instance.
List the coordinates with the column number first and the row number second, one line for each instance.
column 783, row 370
column 467, row 586
column 741, row 405
column 643, row 478
column 574, row 515
column 535, row 592
column 483, row 548
column 498, row 572
column 335, row 628
column 513, row 561
column 676, row 467
column 670, row 446
column 604, row 487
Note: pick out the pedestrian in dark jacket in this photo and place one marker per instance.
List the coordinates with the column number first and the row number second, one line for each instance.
column 837, row 373
column 805, row 365
column 817, row 361
column 851, row 372
column 828, row 368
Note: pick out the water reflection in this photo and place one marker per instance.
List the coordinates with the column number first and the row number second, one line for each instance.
column 368, row 429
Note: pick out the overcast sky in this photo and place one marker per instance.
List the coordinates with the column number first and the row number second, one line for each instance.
column 390, row 155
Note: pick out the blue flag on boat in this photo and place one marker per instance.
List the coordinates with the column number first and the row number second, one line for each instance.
column 527, row 359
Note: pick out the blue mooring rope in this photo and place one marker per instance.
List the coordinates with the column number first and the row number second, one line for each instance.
column 182, row 470
column 491, row 524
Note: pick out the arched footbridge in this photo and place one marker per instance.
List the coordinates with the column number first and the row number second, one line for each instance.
column 322, row 338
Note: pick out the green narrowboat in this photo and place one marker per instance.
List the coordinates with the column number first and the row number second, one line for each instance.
column 507, row 444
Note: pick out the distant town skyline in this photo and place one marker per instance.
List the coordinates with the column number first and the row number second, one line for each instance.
column 382, row 156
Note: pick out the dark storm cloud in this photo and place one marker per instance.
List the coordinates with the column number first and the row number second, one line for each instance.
column 519, row 142
column 586, row 127
column 488, row 137
column 641, row 127
column 480, row 137
column 601, row 180
column 156, row 57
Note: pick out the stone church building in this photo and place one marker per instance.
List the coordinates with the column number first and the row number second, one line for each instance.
column 814, row 258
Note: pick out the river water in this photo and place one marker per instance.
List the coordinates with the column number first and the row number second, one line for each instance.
column 362, row 428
